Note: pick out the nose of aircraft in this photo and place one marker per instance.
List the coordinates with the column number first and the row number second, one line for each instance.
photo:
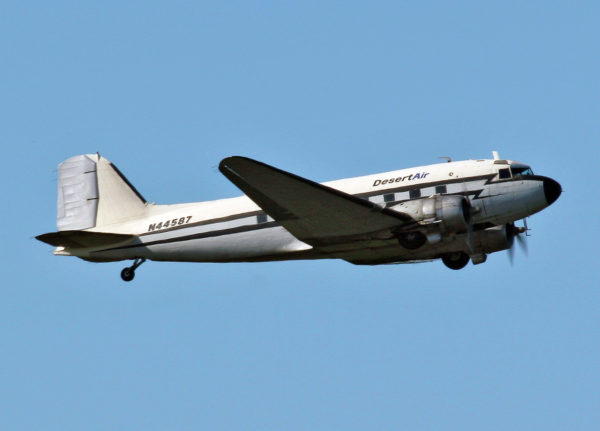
column 552, row 190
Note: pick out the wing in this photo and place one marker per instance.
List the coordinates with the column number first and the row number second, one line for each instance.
column 312, row 212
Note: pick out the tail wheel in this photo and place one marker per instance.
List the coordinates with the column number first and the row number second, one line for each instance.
column 456, row 260
column 127, row 274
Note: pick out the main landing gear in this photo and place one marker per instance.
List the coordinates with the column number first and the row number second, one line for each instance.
column 128, row 273
column 456, row 260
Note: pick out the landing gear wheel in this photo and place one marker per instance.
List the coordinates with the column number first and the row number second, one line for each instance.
column 455, row 260
column 127, row 274
column 412, row 240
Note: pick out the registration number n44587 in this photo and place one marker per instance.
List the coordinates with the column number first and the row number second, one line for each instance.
column 169, row 223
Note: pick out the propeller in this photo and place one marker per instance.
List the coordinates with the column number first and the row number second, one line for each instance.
column 468, row 213
column 513, row 232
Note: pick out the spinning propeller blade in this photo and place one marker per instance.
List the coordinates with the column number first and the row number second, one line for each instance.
column 515, row 232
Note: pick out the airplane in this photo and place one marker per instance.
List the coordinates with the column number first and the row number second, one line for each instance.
column 457, row 211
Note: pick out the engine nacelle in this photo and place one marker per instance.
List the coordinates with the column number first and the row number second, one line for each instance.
column 493, row 239
column 451, row 212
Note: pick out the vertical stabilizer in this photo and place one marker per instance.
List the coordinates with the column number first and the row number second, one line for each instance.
column 119, row 200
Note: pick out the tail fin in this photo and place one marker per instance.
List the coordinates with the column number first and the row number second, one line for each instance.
column 92, row 192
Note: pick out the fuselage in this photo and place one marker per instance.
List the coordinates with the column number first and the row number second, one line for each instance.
column 236, row 229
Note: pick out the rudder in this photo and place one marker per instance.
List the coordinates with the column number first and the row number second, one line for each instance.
column 92, row 192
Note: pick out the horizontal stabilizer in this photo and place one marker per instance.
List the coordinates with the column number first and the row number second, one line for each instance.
column 82, row 239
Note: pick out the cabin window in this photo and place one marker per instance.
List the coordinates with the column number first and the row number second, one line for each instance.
column 440, row 190
column 261, row 218
column 389, row 197
column 504, row 174
column 414, row 193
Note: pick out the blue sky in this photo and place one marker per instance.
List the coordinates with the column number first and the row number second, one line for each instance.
column 326, row 90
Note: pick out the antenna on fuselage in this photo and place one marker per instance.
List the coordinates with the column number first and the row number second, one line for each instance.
column 446, row 158
column 495, row 155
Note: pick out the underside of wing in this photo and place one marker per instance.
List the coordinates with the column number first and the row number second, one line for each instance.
column 313, row 213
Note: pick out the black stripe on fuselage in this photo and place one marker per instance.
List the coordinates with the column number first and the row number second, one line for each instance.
column 205, row 222
column 465, row 193
column 209, row 234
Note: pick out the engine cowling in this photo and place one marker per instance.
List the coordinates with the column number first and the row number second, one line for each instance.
column 493, row 239
column 452, row 212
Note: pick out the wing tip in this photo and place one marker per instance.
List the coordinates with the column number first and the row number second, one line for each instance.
column 228, row 163
column 40, row 238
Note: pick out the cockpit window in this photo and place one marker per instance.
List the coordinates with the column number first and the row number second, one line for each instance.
column 504, row 174
column 523, row 172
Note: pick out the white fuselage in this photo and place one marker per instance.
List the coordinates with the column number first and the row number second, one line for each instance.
column 237, row 229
